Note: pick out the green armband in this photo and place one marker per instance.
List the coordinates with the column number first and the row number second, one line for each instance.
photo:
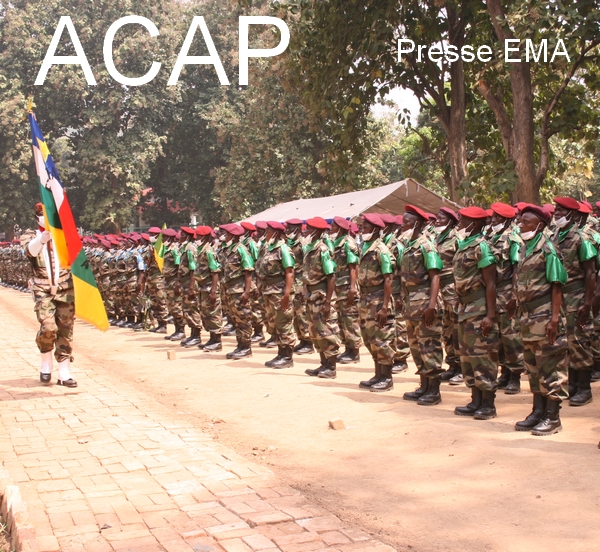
column 487, row 257
column 555, row 270
column 287, row 259
column 213, row 264
column 431, row 260
column 327, row 263
column 351, row 257
column 176, row 257
column 514, row 252
column 385, row 262
column 587, row 251
column 247, row 260
column 191, row 260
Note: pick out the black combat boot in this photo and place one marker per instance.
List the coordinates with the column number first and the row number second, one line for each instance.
column 258, row 334
column 514, row 384
column 305, row 347
column 329, row 372
column 112, row 320
column 539, row 407
column 432, row 396
column 315, row 371
column 366, row 384
column 121, row 322
column 504, row 378
column 185, row 341
column 160, row 329
column 385, row 383
column 286, row 359
column 269, row 363
column 130, row 322
column 550, row 422
column 229, row 330
column 573, row 382
column 584, row 389
column 179, row 333
column 473, row 406
column 450, row 373
column 270, row 343
column 245, row 351
column 399, row 366
column 596, row 371
column 419, row 391
column 194, row 339
column 214, row 344
column 139, row 324
column 349, row 356
column 235, row 351
column 487, row 410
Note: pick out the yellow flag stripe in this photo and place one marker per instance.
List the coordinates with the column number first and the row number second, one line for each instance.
column 89, row 305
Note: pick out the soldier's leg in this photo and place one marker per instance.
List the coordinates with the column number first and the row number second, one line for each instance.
column 510, row 352
column 65, row 319
column 581, row 360
column 553, row 363
column 45, row 311
column 242, row 319
column 401, row 343
column 301, row 317
column 350, row 334
column 381, row 340
column 450, row 339
column 324, row 330
column 596, row 349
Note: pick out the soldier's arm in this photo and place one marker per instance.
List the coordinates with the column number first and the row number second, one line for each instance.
column 552, row 327
column 489, row 276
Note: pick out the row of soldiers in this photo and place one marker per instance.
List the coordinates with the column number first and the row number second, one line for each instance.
column 418, row 283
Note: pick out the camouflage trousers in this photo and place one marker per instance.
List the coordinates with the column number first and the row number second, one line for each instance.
column 156, row 289
column 226, row 305
column 426, row 346
column 349, row 320
column 211, row 315
column 190, row 305
column 262, row 305
column 174, row 302
column 450, row 330
column 323, row 331
column 401, row 344
column 378, row 340
column 257, row 314
column 282, row 321
column 132, row 300
column 300, row 313
column 241, row 317
column 580, row 341
column 510, row 347
column 547, row 366
column 478, row 354
column 120, row 303
column 56, row 320
column 107, row 296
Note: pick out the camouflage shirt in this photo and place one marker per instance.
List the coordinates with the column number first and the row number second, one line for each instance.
column 172, row 261
column 272, row 263
column 206, row 265
column 318, row 263
column 236, row 261
column 376, row 260
column 188, row 260
column 506, row 250
column 472, row 255
column 345, row 253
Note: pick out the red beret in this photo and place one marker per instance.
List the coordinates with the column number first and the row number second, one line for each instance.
column 431, row 216
column 294, row 221
column 503, row 210
column 261, row 224
column 146, row 237
column 342, row 222
column 519, row 205
column 374, row 219
column 317, row 222
column 233, row 229
column 203, row 231
column 416, row 211
column 134, row 239
column 38, row 207
column 473, row 213
column 169, row 233
column 353, row 227
column 489, row 212
column 583, row 208
column 154, row 230
column 248, row 226
column 387, row 218
column 105, row 243
column 99, row 236
column 399, row 220
column 598, row 204
column 567, row 203
column 276, row 226
column 450, row 212
column 549, row 207
column 587, row 203
column 189, row 231
column 538, row 211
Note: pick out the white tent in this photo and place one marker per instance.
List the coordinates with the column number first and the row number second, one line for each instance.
column 391, row 198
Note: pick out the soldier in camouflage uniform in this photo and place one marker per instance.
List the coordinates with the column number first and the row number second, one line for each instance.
column 421, row 305
column 172, row 284
column 103, row 256
column 295, row 243
column 238, row 266
column 257, row 312
column 538, row 279
column 275, row 274
column 206, row 276
column 135, row 282
column 156, row 286
column 445, row 240
column 52, row 288
column 475, row 282
column 345, row 256
column 259, row 239
column 319, row 278
column 506, row 251
column 579, row 259
column 376, row 309
column 190, row 292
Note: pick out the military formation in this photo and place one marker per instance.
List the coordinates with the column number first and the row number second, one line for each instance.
column 494, row 292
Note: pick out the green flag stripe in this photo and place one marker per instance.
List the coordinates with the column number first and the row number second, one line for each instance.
column 50, row 205
column 81, row 269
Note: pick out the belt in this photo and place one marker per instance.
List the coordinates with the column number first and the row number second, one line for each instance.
column 531, row 305
column 371, row 289
column 446, row 280
column 315, row 287
column 472, row 297
column 271, row 280
column 574, row 286
column 424, row 285
column 42, row 282
column 342, row 273
column 238, row 280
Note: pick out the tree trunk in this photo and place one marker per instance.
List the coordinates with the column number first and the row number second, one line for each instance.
column 457, row 132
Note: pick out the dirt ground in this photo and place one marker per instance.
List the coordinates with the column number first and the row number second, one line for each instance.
column 420, row 478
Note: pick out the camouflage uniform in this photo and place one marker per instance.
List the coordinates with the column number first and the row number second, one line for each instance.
column 576, row 248
column 270, row 270
column 171, row 275
column 419, row 257
column 323, row 331
column 539, row 266
column 446, row 246
column 345, row 253
column 506, row 251
column 156, row 289
column 257, row 311
column 237, row 260
column 54, row 304
column 190, row 303
column 400, row 342
column 478, row 354
column 206, row 266
column 376, row 260
column 300, row 310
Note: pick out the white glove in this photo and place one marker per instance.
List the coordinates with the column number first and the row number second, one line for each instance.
column 45, row 237
column 37, row 244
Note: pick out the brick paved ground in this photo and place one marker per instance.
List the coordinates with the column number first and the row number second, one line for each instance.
column 105, row 469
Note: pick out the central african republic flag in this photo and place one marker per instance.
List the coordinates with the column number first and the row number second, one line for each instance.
column 65, row 238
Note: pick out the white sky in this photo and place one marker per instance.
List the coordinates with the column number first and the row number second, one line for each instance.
column 403, row 98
